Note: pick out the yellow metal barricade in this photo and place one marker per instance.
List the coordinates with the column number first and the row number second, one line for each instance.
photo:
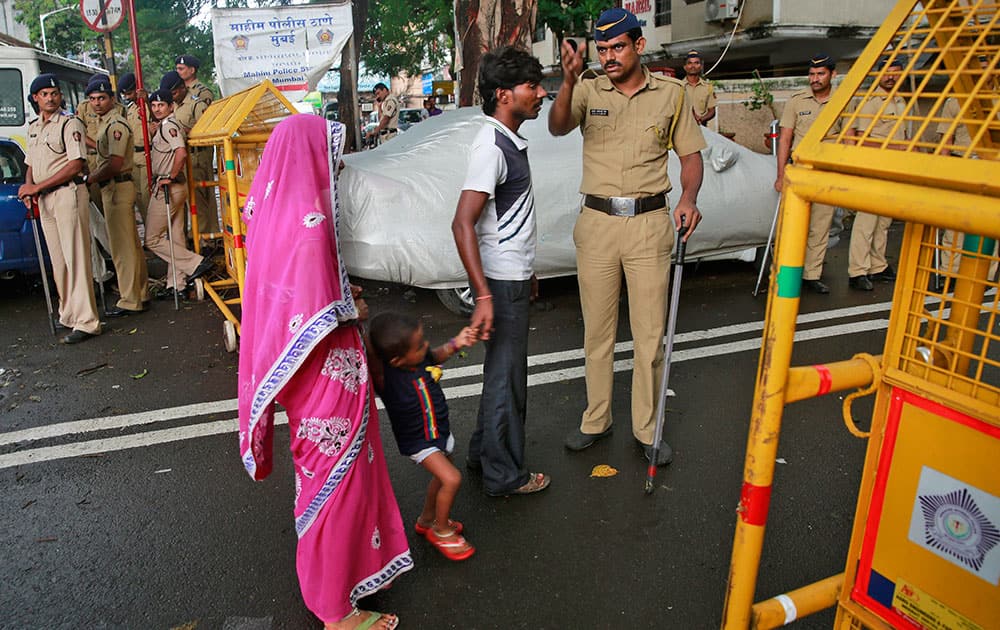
column 237, row 126
column 925, row 545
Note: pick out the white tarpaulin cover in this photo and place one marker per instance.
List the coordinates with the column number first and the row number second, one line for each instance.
column 293, row 46
column 397, row 201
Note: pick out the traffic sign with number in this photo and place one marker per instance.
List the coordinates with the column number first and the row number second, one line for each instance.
column 102, row 16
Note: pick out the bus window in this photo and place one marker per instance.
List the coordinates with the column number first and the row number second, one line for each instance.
column 12, row 101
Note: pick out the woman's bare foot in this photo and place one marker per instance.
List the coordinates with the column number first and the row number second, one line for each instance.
column 359, row 619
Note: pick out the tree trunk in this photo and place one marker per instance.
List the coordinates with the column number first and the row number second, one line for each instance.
column 347, row 95
column 482, row 26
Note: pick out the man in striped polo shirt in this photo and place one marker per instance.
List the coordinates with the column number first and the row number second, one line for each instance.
column 494, row 230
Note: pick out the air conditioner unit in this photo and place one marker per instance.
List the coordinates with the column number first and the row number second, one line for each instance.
column 718, row 10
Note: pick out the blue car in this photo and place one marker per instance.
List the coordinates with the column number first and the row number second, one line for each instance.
column 17, row 242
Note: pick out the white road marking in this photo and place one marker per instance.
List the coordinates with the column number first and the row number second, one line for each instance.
column 162, row 436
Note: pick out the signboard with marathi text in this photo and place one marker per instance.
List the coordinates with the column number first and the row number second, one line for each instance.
column 293, row 46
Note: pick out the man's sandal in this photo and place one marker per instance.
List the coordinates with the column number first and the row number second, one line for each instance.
column 536, row 483
column 422, row 529
column 451, row 549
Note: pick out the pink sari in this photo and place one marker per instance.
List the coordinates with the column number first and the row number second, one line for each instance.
column 299, row 347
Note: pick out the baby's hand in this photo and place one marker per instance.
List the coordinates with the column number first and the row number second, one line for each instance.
column 466, row 337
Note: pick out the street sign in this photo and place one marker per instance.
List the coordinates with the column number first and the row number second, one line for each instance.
column 102, row 16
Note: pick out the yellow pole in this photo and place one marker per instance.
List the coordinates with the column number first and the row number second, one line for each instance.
column 970, row 288
column 768, row 406
column 784, row 609
column 817, row 380
column 195, row 235
column 239, row 247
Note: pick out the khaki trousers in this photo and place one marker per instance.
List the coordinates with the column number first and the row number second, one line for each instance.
column 950, row 259
column 65, row 219
column 156, row 234
column 869, row 236
column 819, row 238
column 208, row 212
column 605, row 247
column 141, row 185
column 126, row 251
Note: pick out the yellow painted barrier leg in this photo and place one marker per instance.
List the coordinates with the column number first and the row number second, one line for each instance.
column 786, row 608
column 768, row 406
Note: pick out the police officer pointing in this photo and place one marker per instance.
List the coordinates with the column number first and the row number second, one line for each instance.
column 56, row 158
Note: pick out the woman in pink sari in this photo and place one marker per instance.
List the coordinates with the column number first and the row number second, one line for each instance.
column 300, row 347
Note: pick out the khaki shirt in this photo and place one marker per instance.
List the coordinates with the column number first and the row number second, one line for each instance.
column 700, row 96
column 191, row 109
column 167, row 139
column 390, row 107
column 54, row 144
column 951, row 111
column 114, row 138
column 624, row 138
column 882, row 126
column 801, row 111
column 90, row 118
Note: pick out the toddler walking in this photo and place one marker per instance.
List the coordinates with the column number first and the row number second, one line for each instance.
column 418, row 411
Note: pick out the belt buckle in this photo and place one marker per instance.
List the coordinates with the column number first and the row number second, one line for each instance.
column 622, row 206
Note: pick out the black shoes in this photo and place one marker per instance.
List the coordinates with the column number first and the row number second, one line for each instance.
column 861, row 283
column 663, row 456
column 578, row 440
column 204, row 267
column 76, row 337
column 123, row 312
column 816, row 286
column 886, row 275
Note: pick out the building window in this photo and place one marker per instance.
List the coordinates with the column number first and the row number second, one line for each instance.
column 662, row 15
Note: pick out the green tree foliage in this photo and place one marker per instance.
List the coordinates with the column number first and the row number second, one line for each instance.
column 570, row 17
column 407, row 36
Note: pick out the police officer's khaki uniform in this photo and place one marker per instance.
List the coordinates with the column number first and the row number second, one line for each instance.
column 187, row 114
column 870, row 232
column 114, row 138
column 65, row 217
column 625, row 142
column 700, row 96
column 952, row 241
column 167, row 140
column 139, row 176
column 389, row 107
column 799, row 114
column 92, row 122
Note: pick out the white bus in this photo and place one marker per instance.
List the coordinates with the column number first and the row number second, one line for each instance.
column 19, row 65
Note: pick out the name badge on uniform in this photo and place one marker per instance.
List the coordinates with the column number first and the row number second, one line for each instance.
column 805, row 113
column 598, row 112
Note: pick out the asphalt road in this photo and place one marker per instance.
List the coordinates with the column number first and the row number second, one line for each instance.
column 125, row 504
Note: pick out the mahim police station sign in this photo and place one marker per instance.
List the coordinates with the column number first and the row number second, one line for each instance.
column 293, row 46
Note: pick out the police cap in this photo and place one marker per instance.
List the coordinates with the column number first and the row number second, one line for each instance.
column 899, row 61
column 171, row 81
column 42, row 81
column 126, row 83
column 693, row 54
column 188, row 60
column 822, row 60
column 614, row 22
column 161, row 96
column 102, row 84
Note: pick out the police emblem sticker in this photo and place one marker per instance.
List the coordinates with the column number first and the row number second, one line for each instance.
column 324, row 37
column 240, row 42
column 957, row 522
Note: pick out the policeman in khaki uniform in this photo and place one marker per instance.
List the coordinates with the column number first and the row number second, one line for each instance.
column 630, row 120
column 127, row 91
column 169, row 160
column 870, row 232
column 56, row 158
column 113, row 176
column 91, row 121
column 388, row 106
column 699, row 93
column 799, row 114
column 190, row 110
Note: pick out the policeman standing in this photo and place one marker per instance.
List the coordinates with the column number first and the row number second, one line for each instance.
column 388, row 121
column 127, row 91
column 113, row 176
column 197, row 100
column 699, row 93
column 870, row 232
column 169, row 160
column 798, row 116
column 630, row 120
column 56, row 158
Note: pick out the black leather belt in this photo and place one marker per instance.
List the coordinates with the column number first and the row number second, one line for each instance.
column 139, row 147
column 76, row 180
column 625, row 206
column 385, row 131
column 124, row 177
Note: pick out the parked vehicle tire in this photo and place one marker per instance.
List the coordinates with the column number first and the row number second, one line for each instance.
column 459, row 301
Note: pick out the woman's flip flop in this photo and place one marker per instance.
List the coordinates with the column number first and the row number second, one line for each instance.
column 451, row 549
column 420, row 529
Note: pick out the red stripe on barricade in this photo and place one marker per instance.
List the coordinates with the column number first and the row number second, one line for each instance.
column 754, row 503
column 238, row 241
column 825, row 379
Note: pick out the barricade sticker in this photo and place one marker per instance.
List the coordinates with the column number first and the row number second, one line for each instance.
column 928, row 612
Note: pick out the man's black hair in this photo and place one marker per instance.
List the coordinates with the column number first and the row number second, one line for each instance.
column 504, row 68
column 390, row 334
column 634, row 34
column 380, row 86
